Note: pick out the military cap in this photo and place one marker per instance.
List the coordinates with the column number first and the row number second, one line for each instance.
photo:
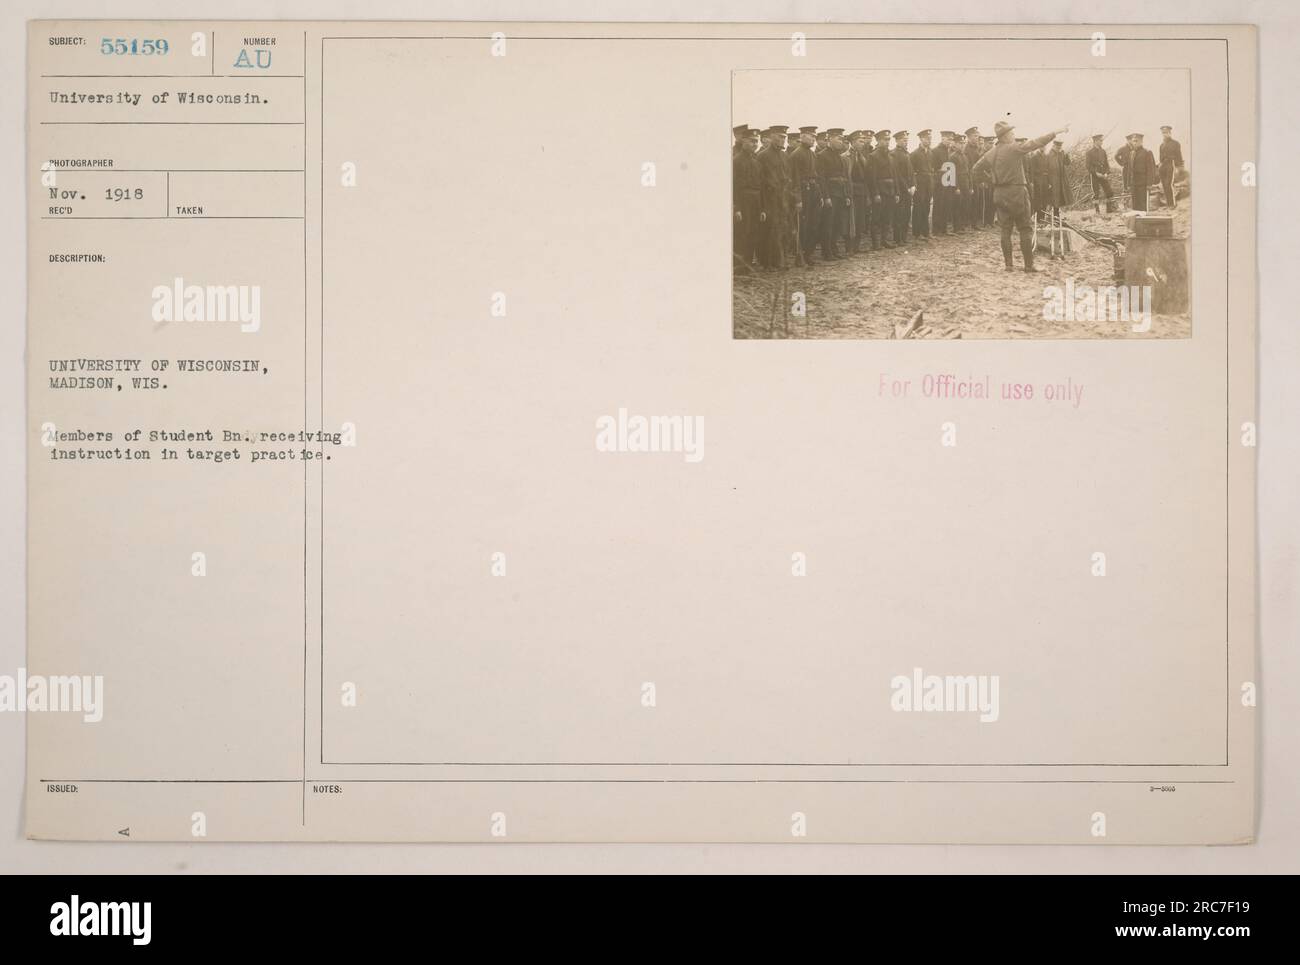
column 924, row 133
column 1001, row 127
column 1021, row 140
column 1135, row 135
column 835, row 132
column 740, row 130
column 854, row 135
column 1165, row 127
column 883, row 132
column 808, row 130
column 868, row 132
column 1058, row 142
column 778, row 128
column 900, row 135
column 972, row 130
column 1098, row 137
column 947, row 133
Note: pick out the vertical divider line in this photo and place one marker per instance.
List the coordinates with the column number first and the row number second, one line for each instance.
column 321, row 389
column 305, row 317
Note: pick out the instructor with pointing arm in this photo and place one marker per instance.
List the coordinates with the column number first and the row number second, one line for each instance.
column 1010, row 193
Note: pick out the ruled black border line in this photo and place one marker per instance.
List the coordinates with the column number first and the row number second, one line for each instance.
column 616, row 780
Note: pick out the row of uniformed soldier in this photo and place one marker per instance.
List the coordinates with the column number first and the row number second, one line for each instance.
column 798, row 194
column 795, row 195
column 1138, row 164
column 1142, row 172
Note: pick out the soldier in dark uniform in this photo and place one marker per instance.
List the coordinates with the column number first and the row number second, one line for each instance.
column 835, row 188
column 846, row 161
column 746, row 202
column 794, row 251
column 1142, row 172
column 961, row 205
column 1010, row 193
column 771, row 160
column 823, row 210
column 1059, row 194
column 789, row 242
column 803, row 176
column 990, row 209
column 880, row 173
column 945, row 183
column 975, row 204
column 1171, row 157
column 1041, row 184
column 738, row 135
column 1099, row 173
column 861, row 191
column 923, row 173
column 782, row 230
column 905, row 185
column 789, row 196
column 1122, row 157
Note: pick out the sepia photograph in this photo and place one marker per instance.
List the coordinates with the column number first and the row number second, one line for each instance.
column 997, row 204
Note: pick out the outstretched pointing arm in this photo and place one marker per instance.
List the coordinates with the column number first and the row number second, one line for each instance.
column 1046, row 139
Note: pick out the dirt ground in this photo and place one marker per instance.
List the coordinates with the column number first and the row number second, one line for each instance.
column 959, row 283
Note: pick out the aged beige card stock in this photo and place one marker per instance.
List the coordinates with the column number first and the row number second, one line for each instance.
column 571, row 432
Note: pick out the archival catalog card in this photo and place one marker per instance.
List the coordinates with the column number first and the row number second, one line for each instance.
column 579, row 432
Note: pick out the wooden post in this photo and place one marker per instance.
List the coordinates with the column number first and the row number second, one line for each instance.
column 1162, row 264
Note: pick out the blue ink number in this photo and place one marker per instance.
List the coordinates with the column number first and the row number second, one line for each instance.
column 133, row 46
